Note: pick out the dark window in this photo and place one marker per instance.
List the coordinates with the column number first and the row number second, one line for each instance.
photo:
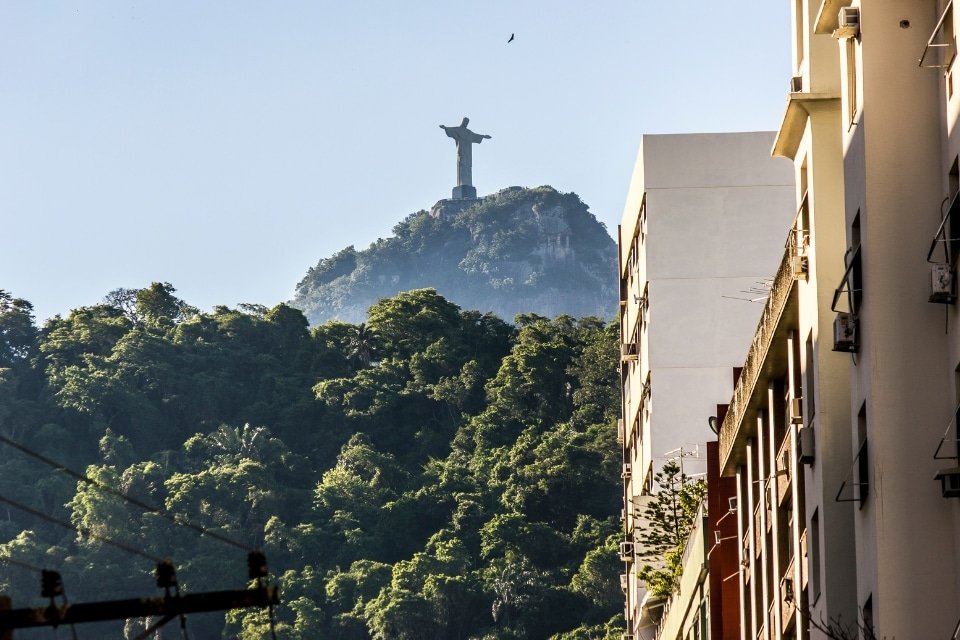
column 814, row 539
column 809, row 375
column 863, row 458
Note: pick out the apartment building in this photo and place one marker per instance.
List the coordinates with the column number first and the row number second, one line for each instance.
column 898, row 133
column 842, row 429
column 698, row 244
column 706, row 603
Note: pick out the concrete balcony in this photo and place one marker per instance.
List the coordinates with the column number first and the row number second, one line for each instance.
column 762, row 362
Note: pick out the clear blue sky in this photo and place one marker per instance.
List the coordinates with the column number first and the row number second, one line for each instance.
column 226, row 146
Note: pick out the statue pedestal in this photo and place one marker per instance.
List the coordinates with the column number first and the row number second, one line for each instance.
column 464, row 192
column 450, row 209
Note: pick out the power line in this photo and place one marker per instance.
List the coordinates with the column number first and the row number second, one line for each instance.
column 65, row 524
column 22, row 565
column 163, row 513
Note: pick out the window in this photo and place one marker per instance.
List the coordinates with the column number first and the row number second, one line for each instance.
column 851, row 94
column 642, row 217
column 856, row 267
column 949, row 38
column 947, row 236
column 956, row 413
column 953, row 241
column 814, row 539
column 798, row 22
column 808, row 382
column 867, row 614
column 852, row 282
column 863, row 458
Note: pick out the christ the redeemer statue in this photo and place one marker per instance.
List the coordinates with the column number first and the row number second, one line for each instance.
column 465, row 141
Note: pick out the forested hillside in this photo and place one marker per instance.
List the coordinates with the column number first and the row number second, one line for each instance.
column 430, row 473
column 515, row 251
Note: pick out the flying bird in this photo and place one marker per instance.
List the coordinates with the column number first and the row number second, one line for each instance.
column 511, row 39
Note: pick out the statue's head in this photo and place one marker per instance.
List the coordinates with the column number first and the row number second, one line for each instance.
column 465, row 122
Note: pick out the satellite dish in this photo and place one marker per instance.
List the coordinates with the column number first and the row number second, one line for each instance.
column 714, row 425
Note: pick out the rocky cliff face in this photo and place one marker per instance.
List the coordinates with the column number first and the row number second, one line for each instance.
column 516, row 251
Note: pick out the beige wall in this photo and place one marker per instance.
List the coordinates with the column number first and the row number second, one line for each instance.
column 893, row 178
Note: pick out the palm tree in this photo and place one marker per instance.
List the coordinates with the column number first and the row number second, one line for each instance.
column 362, row 345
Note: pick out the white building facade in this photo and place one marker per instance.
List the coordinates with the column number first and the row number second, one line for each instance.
column 700, row 240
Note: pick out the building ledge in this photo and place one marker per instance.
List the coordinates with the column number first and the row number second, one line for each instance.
column 799, row 107
column 827, row 20
column 750, row 392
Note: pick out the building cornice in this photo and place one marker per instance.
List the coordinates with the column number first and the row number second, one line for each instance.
column 800, row 106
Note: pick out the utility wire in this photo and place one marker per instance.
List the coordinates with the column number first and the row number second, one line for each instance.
column 22, row 565
column 163, row 513
column 64, row 523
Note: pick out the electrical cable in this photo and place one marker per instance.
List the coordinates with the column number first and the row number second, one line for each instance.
column 49, row 580
column 67, row 525
column 174, row 518
column 163, row 513
column 22, row 565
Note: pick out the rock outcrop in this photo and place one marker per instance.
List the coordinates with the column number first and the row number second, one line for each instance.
column 516, row 251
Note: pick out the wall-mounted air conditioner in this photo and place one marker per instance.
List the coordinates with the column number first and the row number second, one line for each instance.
column 845, row 332
column 627, row 471
column 949, row 482
column 849, row 20
column 629, row 351
column 796, row 84
column 626, row 551
column 623, row 582
column 805, row 445
column 786, row 589
column 796, row 411
column 798, row 266
column 941, row 284
column 783, row 464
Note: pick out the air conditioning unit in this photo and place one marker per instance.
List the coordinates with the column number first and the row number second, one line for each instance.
column 731, row 505
column 949, row 482
column 627, row 471
column 845, row 332
column 798, row 266
column 629, row 351
column 796, row 411
column 623, row 582
column 805, row 445
column 796, row 84
column 783, row 464
column 786, row 590
column 849, row 20
column 941, row 284
column 626, row 551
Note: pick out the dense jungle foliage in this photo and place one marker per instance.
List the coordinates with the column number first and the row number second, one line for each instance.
column 515, row 251
column 430, row 473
